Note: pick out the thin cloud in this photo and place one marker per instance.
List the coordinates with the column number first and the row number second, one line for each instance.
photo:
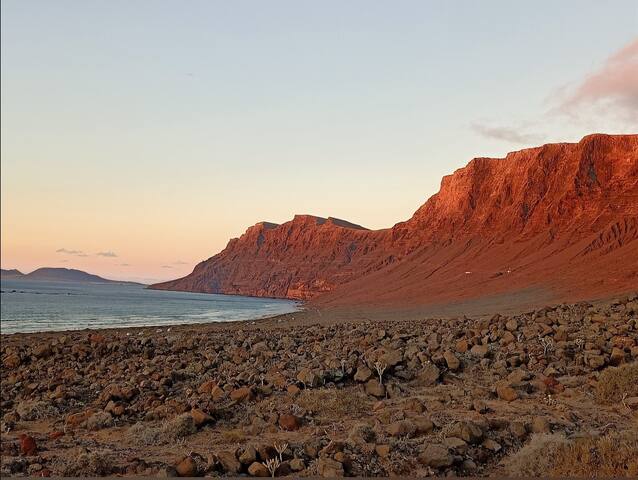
column 70, row 252
column 166, row 266
column 613, row 87
column 125, row 264
column 106, row 254
column 507, row 134
column 179, row 262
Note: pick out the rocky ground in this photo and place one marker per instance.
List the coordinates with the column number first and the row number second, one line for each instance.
column 553, row 391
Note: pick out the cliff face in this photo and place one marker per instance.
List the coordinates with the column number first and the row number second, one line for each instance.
column 561, row 217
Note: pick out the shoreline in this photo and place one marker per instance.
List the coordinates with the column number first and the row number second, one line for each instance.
column 309, row 314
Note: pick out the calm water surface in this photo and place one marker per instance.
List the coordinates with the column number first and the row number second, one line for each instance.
column 30, row 306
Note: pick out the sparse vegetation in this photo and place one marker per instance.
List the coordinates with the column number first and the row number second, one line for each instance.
column 179, row 427
column 613, row 455
column 87, row 464
column 616, row 383
column 333, row 403
column 99, row 420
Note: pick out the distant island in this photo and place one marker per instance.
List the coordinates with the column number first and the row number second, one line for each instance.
column 58, row 275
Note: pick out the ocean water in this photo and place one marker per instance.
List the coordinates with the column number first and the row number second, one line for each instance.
column 30, row 306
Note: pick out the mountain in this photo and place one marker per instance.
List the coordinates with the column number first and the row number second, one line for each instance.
column 560, row 220
column 11, row 273
column 58, row 275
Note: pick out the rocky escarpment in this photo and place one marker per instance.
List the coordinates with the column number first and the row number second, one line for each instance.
column 497, row 225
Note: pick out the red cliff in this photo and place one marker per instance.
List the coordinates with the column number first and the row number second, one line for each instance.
column 561, row 218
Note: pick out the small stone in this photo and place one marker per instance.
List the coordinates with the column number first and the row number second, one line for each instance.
column 186, row 467
column 467, row 431
column 402, row 428
column 617, row 356
column 374, row 388
column 423, row 425
column 206, row 387
column 507, row 393
column 363, row 374
column 308, row 378
column 540, row 425
column 229, row 462
column 11, row 361
column 289, row 422
column 429, row 375
column 455, row 443
column 327, row 467
column 248, row 455
column 491, row 445
column 435, row 456
column 200, row 417
column 293, row 390
column 479, row 351
column 461, row 346
column 257, row 469
column 518, row 430
column 27, row 445
column 452, row 362
column 297, row 465
column 511, row 325
column 243, row 394
column 382, row 450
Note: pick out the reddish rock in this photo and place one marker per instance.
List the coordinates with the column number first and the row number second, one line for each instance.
column 289, row 422
column 242, row 394
column 186, row 467
column 542, row 207
column 200, row 417
column 27, row 445
column 506, row 393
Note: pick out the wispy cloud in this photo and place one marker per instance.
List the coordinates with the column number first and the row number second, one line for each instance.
column 106, row 254
column 125, row 264
column 613, row 88
column 167, row 266
column 179, row 262
column 68, row 252
column 507, row 134
column 78, row 253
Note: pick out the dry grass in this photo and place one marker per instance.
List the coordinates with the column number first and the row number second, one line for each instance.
column 169, row 431
column 234, row 436
column 331, row 404
column 87, row 464
column 614, row 455
column 99, row 420
column 616, row 382
column 35, row 410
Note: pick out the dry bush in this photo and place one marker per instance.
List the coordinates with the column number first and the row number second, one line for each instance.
column 537, row 457
column 99, row 420
column 333, row 404
column 615, row 382
column 87, row 464
column 553, row 455
column 169, row 431
column 614, row 455
column 35, row 410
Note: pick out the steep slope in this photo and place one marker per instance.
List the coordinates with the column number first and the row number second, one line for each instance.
column 561, row 218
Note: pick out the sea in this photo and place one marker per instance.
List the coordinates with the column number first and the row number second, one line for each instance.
column 39, row 306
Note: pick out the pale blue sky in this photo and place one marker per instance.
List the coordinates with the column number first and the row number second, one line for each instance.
column 159, row 129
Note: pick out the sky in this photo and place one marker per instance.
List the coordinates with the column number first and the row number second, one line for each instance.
column 139, row 137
